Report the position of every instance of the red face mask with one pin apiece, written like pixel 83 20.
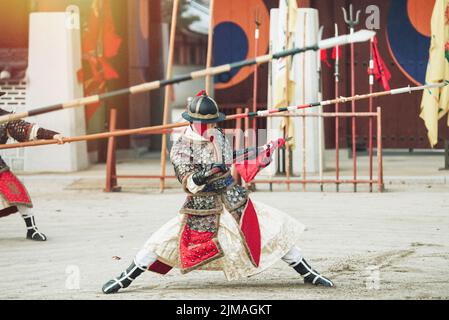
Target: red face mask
pixel 199 128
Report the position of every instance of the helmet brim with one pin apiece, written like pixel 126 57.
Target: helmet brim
pixel 221 118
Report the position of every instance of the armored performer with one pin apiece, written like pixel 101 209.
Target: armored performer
pixel 13 194
pixel 219 227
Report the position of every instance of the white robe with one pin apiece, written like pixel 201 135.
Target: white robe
pixel 279 234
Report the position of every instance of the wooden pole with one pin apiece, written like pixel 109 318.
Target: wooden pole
pixel 97 136
pixel 111 166
pixel 380 179
pixel 210 41
pixel 168 91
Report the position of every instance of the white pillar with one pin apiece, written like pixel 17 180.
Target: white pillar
pixel 306 91
pixel 54 60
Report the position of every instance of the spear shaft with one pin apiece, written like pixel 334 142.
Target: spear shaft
pixel 262 113
pixel 360 36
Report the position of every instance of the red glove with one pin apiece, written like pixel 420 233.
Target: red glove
pixel 281 142
pixel 249 169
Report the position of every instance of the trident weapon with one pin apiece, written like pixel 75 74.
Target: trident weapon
pixel 352 23
pixel 361 36
pixel 261 113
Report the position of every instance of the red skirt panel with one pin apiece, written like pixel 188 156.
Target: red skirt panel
pixel 13 192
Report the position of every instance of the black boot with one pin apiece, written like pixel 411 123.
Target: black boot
pixel 312 276
pixel 124 280
pixel 32 232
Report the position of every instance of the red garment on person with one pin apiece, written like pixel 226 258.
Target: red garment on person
pixel 197 248
pixel 13 192
pixel 251 231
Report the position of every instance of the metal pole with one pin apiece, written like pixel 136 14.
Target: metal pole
pixel 246 133
pixel 256 67
pixel 304 119
pixel 337 110
pixel 287 97
pixel 238 141
pixel 321 119
pixel 370 138
pixel 354 132
pixel 352 22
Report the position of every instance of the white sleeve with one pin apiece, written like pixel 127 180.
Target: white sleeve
pixel 192 187
pixel 33 132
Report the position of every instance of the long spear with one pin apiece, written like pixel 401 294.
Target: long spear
pixel 261 113
pixel 337 110
pixel 361 36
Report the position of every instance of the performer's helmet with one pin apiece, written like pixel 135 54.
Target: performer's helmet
pixel 203 109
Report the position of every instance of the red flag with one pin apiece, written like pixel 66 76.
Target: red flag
pixel 111 40
pixel 249 169
pixel 334 53
pixel 381 72
pixel 100 43
pixel 324 57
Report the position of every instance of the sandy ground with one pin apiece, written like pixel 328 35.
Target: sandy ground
pixel 374 246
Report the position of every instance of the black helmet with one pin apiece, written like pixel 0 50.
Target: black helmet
pixel 203 109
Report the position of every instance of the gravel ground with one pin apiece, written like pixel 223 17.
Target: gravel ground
pixel 393 245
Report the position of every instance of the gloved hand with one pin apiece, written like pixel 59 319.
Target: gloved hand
pixel 200 178
pixel 279 143
pixel 269 150
pixel 219 167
